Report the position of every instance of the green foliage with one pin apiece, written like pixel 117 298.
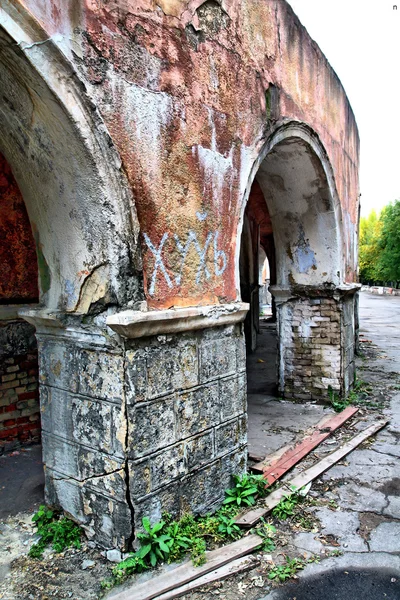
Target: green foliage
pixel 357 396
pixel 337 402
pixel 287 570
pixel 155 545
pixel 286 506
pixel 228 528
pixel 379 246
pixel 170 540
pixel 245 491
pixel 267 532
pixel 53 529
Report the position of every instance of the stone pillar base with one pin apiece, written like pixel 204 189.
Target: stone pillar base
pixel 316 332
pixel 138 426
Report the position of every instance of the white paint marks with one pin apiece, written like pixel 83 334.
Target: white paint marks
pixel 220 258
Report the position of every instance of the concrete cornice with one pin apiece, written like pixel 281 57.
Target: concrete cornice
pixel 135 324
pixel 283 294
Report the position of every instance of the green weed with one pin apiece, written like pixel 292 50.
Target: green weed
pixel 246 490
pixel 287 570
pixel 53 529
pixel 286 506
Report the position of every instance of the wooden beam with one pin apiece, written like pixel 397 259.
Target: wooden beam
pixel 251 517
pixel 187 572
pixel 235 566
pixel 276 465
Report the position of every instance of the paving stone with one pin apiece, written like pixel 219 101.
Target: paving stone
pixel 361 498
pixel 385 538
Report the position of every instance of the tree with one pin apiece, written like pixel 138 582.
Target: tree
pixel 388 265
pixel 369 249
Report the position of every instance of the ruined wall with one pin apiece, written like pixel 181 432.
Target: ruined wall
pixel 19 394
pixel 316 342
pixel 135 130
pixel 137 429
pixel 195 89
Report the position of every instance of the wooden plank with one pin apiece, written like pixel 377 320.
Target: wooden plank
pixel 276 465
pixel 251 517
pixel 187 572
pixel 235 566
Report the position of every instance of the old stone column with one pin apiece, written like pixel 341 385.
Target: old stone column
pixel 316 347
pixel 142 415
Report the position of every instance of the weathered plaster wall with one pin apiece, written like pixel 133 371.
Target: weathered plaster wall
pixel 199 89
pixel 194 89
pixel 69 175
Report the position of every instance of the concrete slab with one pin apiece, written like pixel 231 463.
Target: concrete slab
pixel 21 481
pixel 385 538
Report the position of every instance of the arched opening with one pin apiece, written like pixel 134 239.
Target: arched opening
pixel 291 220
pixel 19 396
pixel 85 232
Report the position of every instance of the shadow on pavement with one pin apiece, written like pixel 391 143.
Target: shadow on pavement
pixel 360 584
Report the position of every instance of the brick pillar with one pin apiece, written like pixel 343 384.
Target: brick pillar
pixel 316 340
pixel 19 394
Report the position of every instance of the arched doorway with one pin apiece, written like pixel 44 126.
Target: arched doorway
pixel 292 200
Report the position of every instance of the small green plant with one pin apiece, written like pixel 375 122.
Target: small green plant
pixel 244 492
pixel 53 529
pixel 286 506
pixel 287 570
pixel 337 402
pixel 228 528
pixel 267 532
pixel 155 545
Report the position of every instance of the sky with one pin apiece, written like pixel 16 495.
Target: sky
pixel 361 40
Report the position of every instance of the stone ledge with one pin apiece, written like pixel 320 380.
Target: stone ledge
pixel 284 294
pixel 135 324
pixel 10 312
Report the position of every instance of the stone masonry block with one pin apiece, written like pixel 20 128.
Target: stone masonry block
pixel 230 435
pixel 171 369
pixel 72 460
pixel 157 471
pixel 136 375
pixel 199 450
pixel 100 374
pixel 197 410
pixel 89 422
pixel 232 397
pixel 57 365
pixel 106 519
pixel 151 426
pixel 217 358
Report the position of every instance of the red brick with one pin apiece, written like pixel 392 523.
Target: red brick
pixel 28 395
pixel 8 433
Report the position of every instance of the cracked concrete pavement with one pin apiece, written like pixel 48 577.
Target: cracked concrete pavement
pixel 364 488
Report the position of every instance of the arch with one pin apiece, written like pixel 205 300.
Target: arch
pixel 311 153
pixel 69 174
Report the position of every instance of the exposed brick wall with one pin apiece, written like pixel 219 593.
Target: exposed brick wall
pixel 312 348
pixel 18 264
pixel 19 399
pixel 19 394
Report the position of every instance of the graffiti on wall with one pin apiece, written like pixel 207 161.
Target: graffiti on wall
pixel 183 247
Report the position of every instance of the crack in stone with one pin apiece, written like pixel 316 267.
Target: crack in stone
pixel 130 539
pixel 87 479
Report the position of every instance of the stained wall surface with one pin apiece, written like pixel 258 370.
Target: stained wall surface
pixel 190 92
